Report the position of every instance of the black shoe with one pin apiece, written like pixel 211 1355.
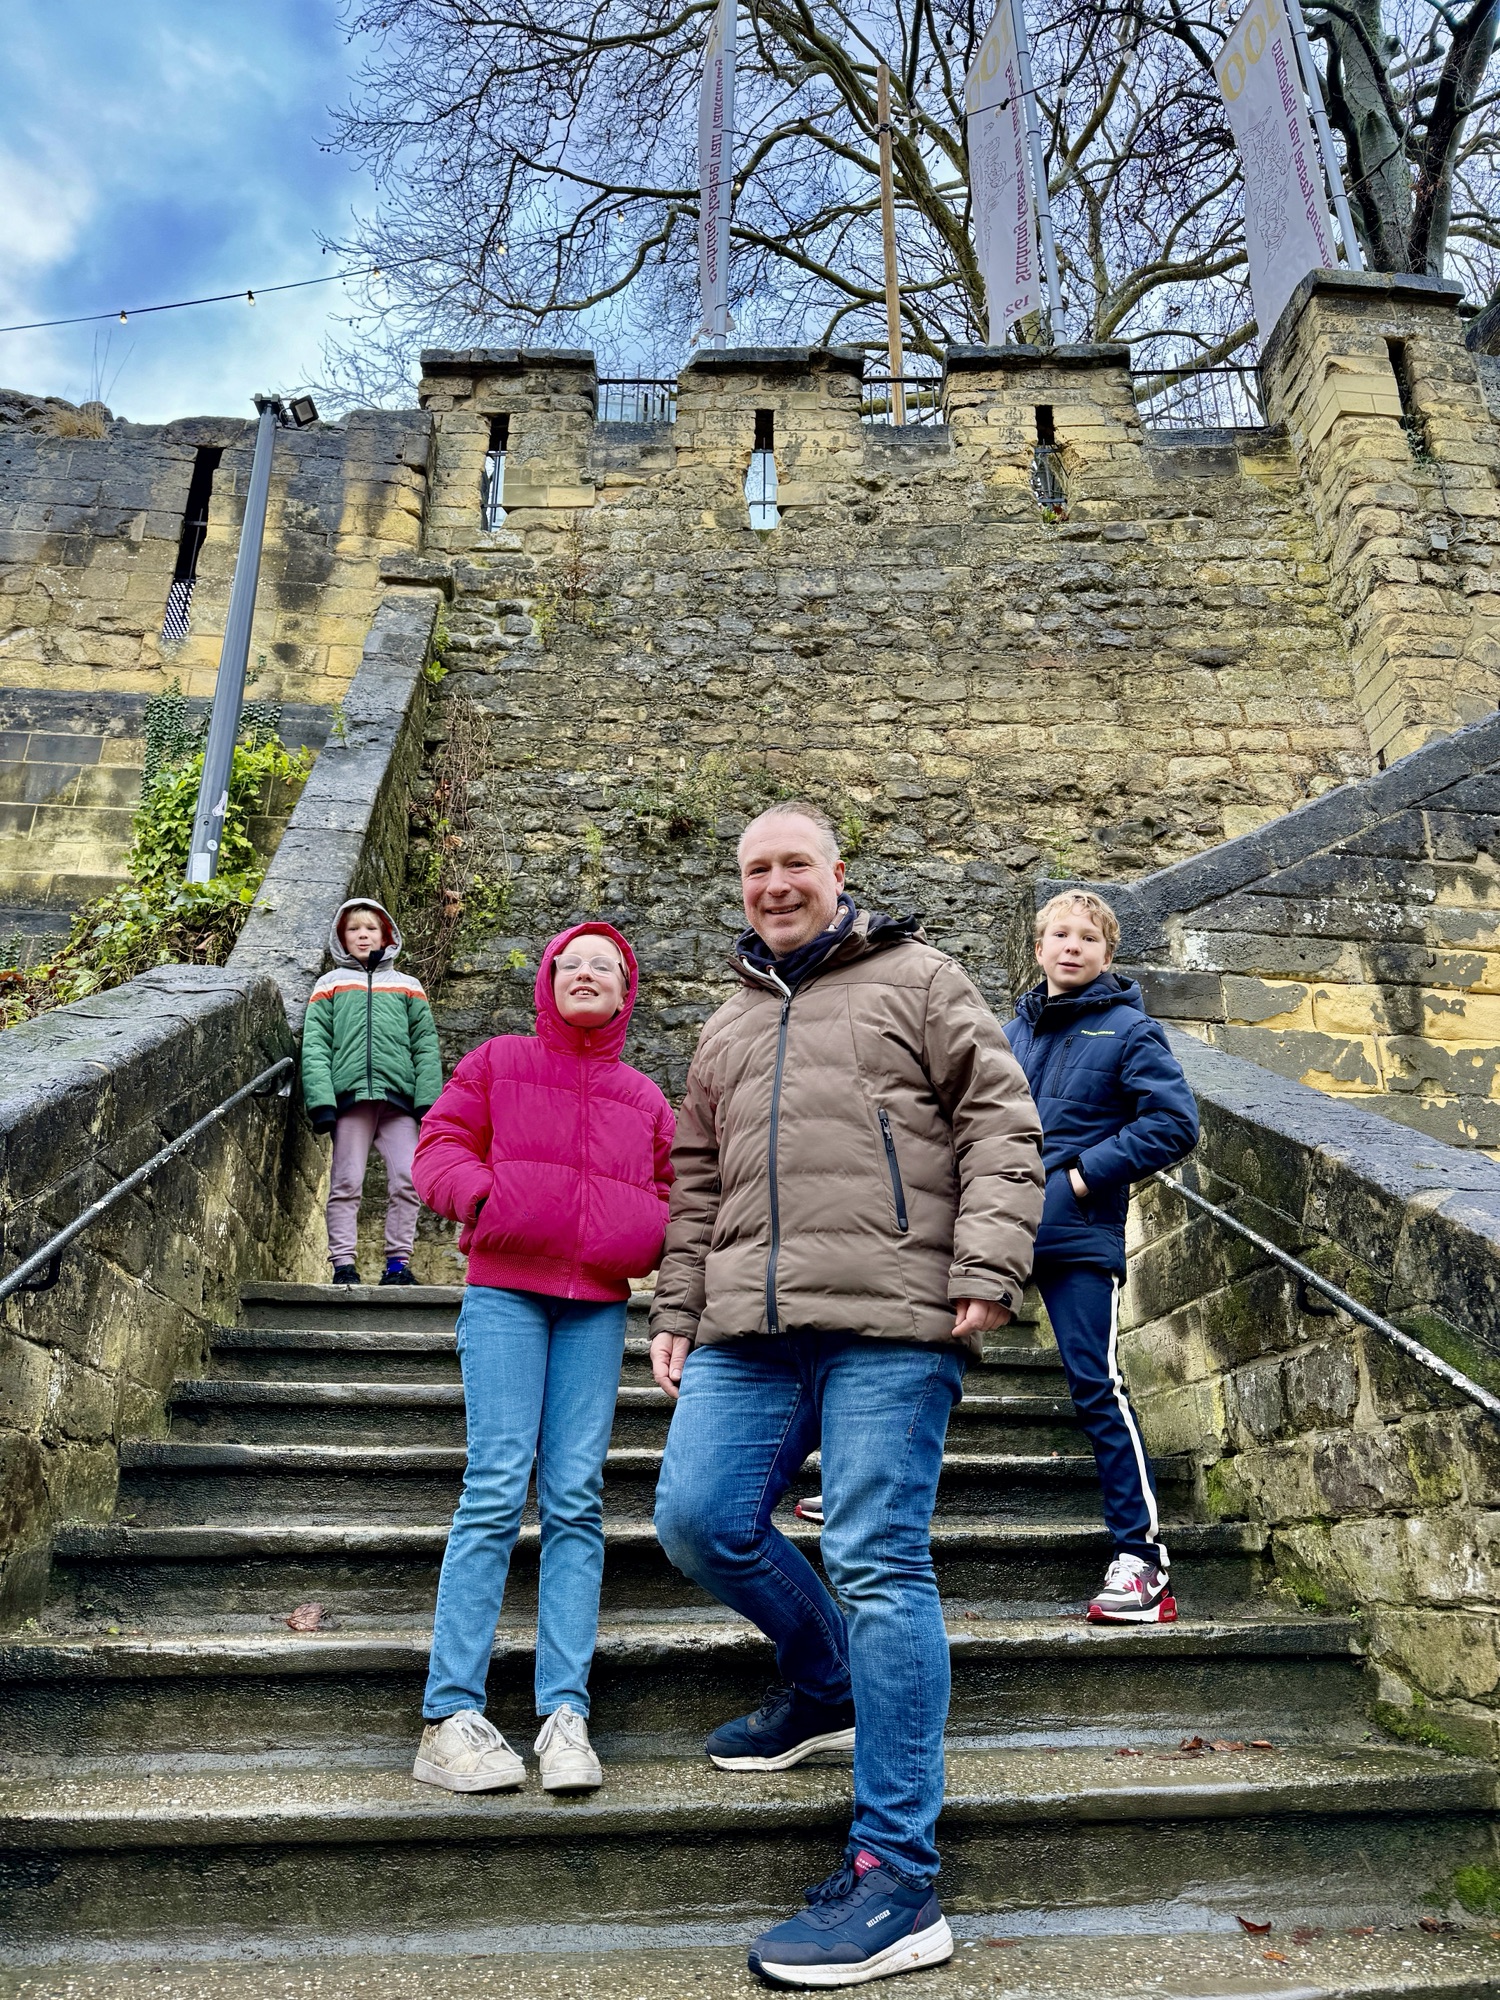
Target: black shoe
pixel 346 1274
pixel 787 1727
pixel 398 1272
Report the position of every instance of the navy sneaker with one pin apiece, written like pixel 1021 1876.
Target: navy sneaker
pixel 787 1727
pixel 346 1274
pixel 397 1272
pixel 864 1922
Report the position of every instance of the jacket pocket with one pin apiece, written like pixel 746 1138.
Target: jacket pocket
pixel 894 1167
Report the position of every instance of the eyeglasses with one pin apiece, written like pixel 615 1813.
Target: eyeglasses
pixel 599 965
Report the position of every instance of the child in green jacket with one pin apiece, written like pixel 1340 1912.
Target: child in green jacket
pixel 370 1068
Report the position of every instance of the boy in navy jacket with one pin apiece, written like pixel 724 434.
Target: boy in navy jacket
pixel 1115 1106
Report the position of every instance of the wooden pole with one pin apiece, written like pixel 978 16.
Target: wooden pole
pixel 888 231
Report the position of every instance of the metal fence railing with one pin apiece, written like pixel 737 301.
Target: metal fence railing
pixel 921 399
pixel 636 399
pixel 1199 399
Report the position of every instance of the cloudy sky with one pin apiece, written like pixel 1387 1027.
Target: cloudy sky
pixel 161 149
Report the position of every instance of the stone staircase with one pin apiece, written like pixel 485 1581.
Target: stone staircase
pixel 183 1776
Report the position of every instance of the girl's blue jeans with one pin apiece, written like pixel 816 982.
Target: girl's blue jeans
pixel 540 1376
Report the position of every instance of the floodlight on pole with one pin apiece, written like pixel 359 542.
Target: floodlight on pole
pixel 234 654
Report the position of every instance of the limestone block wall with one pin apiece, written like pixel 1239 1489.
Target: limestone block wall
pixel 90 530
pixel 70 780
pixel 1353 945
pixel 1379 1487
pixel 1400 451
pixel 979 692
pixel 91 1091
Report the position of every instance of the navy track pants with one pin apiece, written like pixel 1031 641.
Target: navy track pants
pixel 1083 1304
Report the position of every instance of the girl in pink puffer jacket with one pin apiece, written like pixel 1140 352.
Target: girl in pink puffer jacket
pixel 554 1156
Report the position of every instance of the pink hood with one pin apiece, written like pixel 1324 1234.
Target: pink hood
pixel 553 1154
pixel 563 1035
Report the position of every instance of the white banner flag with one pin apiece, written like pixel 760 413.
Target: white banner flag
pixel 1287 228
pixel 716 169
pixel 1000 202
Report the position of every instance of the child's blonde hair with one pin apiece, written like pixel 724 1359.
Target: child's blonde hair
pixel 1081 899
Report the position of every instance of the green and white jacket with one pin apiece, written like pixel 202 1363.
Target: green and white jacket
pixel 369 1036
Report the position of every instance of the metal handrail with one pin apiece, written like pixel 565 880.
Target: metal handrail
pixel 50 1254
pixel 1424 1356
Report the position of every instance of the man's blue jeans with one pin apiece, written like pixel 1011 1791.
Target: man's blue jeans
pixel 750 1412
pixel 540 1376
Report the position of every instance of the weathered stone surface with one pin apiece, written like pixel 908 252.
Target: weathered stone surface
pixel 90 1092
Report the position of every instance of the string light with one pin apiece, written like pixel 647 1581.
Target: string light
pixel 221 298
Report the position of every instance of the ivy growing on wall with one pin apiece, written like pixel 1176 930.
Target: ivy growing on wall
pixel 156 917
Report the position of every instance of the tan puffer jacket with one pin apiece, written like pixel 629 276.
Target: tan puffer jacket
pixel 851 1157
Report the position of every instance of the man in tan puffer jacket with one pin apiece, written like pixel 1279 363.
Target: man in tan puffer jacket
pixel 858 1181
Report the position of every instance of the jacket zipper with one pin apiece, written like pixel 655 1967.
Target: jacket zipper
pixel 773 1324
pixel 890 1159
pixel 370 1031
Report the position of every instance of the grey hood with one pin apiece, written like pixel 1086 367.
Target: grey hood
pixel 336 950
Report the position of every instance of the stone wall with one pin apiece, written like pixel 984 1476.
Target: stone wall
pixel 980 691
pixel 1379 1485
pixel 90 1092
pixel 1400 453
pixel 89 537
pixel 1353 945
pixel 70 780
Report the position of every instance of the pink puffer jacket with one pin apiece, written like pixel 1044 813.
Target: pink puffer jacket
pixel 566 1147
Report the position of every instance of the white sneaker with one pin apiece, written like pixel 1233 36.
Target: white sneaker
pixel 465 1753
pixel 564 1754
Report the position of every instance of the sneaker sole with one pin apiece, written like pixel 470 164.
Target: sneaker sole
pixel 1164 1613
pixel 838 1739
pixel 426 1773
pixel 590 1782
pixel 934 1946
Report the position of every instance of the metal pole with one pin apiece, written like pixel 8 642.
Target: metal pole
pixel 234 655
pixel 1312 83
pixel 1038 166
pixel 888 231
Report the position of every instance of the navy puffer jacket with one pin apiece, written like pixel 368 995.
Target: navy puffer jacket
pixel 1113 1102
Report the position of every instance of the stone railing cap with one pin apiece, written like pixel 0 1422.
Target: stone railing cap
pixel 507 360
pixel 774 360
pixel 1082 354
pixel 1400 287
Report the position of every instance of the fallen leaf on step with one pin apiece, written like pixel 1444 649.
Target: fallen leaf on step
pixel 1126 1751
pixel 307 1618
pixel 1362 1930
pixel 1261 1743
pixel 1435 1925
pixel 1192 1744
pixel 1000 1943
pixel 1228 1746
pixel 1249 1924
pixel 1277 1957
pixel 1305 1933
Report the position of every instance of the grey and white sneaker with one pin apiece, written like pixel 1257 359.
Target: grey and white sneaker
pixel 564 1754
pixel 467 1753
pixel 810 1508
pixel 1133 1593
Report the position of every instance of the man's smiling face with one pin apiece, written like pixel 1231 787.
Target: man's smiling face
pixel 790 884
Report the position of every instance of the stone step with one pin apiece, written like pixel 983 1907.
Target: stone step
pixel 225 1850
pixel 387 1308
pixel 118 1573
pixel 246 1687
pixel 232 1409
pixel 163 1480
pixel 325 1354
pixel 1378 1953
